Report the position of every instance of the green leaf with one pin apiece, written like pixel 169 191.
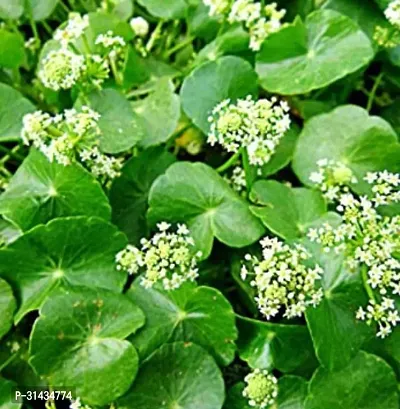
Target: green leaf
pixel 41 9
pixel 193 314
pixel 288 212
pixel 40 191
pixel 160 113
pixel 179 375
pixel 284 152
pixel 292 394
pixel 7 307
pixel 79 340
pixel 7 389
pixel 349 135
pixel 11 9
pixel 336 333
pixel 366 383
pixel 213 82
pixel 129 193
pixel 266 345
pixel 13 106
pixel 120 127
pixel 390 114
pixel 8 232
pixel 67 251
pixel 366 14
pixel 12 50
pixel 194 193
pixel 298 58
pixel 234 41
pixel 165 9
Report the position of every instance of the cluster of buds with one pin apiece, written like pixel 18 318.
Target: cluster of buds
pixel 261 389
pixel 282 279
pixel 237 180
pixel 261 21
pixel 389 36
pixel 168 257
pixel 258 126
pixel 371 243
pixel 65 136
pixel 332 178
pixel 67 66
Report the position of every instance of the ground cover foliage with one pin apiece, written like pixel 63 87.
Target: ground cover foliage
pixel 199 203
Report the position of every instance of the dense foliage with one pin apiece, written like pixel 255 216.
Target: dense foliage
pixel 199 203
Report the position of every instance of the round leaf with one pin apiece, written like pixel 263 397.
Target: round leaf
pixel 160 113
pixel 40 191
pixel 179 375
pixel 197 314
pixel 11 9
pixel 41 9
pixel 12 50
pixel 349 135
pixel 120 127
pixel 265 345
pixel 78 341
pixel 7 389
pixel 292 394
pixel 298 58
pixel 213 82
pixel 7 307
pixel 129 192
pixel 13 106
pixel 194 193
pixel 287 212
pixel 165 9
pixel 336 333
pixel 67 251
pixel 366 383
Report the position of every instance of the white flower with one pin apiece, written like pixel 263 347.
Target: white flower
pixel 261 388
pixel 109 40
pixel 75 27
pixel 140 26
pixel 217 7
pixel 61 69
pixel 257 126
pixel 75 404
pixel 392 13
pixel 282 280
pixel 101 165
pixel 244 11
pixel 167 258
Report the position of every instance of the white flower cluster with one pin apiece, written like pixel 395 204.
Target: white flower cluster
pixel 74 29
pixel 260 21
pixel 261 388
pixel 282 279
pixel 217 7
pixel 371 242
pixel 77 404
pixel 392 13
pixel 256 125
pixel 100 165
pixel 62 137
pixel 65 67
pixel 140 26
pixel 61 69
pixel 237 179
pixel 332 178
pixel 167 258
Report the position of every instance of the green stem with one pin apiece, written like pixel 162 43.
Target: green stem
pixel 230 162
pixel 115 72
pixel 367 287
pixel 249 173
pixel 47 28
pixel 10 153
pixel 372 94
pixel 179 46
pixel 5 171
pixel 8 361
pixel 154 36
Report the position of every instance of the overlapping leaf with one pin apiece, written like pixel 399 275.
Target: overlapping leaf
pixel 193 314
pixel 79 340
pixel 194 193
pixel 66 251
pixel 8 306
